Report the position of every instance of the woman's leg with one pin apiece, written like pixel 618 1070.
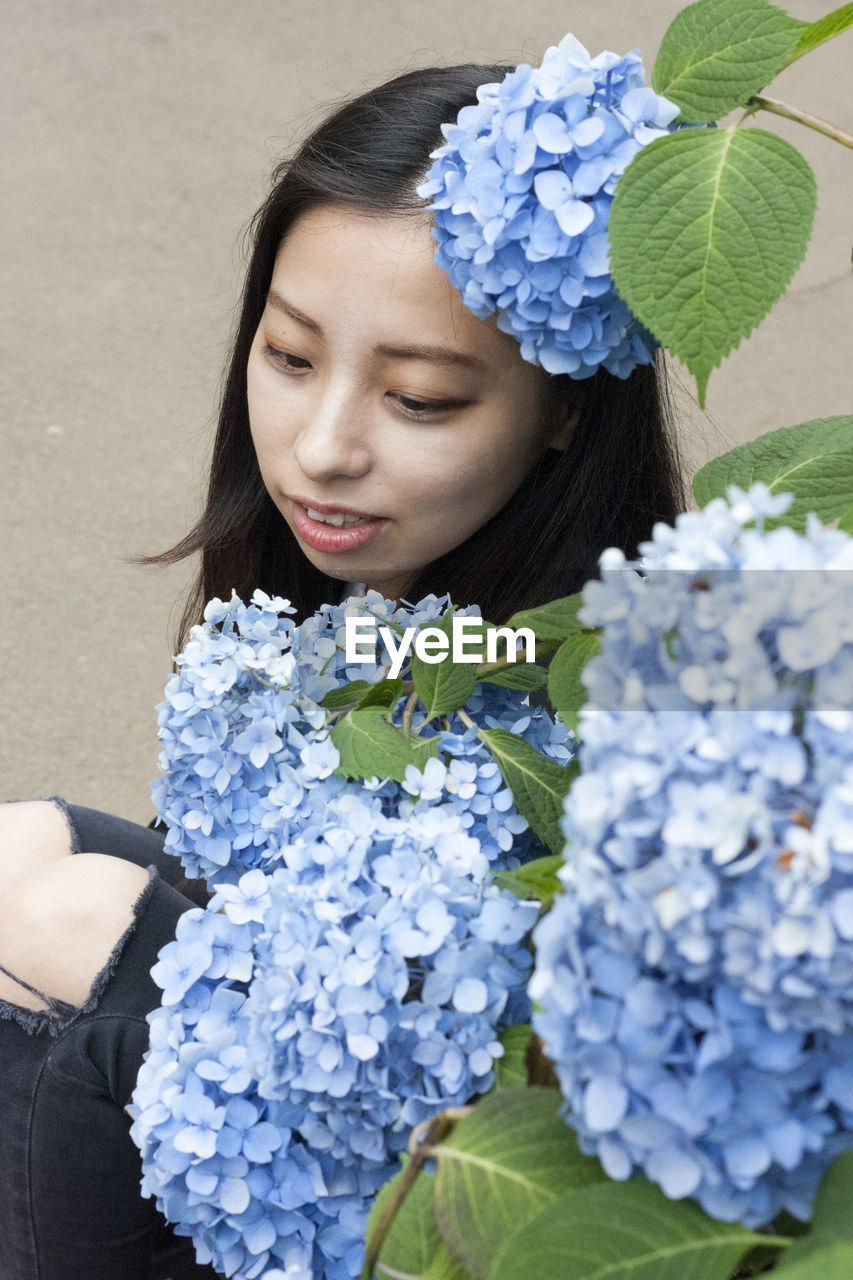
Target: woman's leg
pixel 96 832
pixel 59 925
pixel 33 832
pixel 87 930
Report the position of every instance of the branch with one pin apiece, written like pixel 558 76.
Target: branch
pixel 408 712
pixel 386 1218
pixel 834 131
pixel 421 1147
pixel 500 664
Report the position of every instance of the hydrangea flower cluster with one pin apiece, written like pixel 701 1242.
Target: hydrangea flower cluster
pixel 351 973
pixel 696 978
pixel 247 761
pixel 521 195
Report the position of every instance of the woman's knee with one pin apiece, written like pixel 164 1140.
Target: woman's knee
pixel 59 926
pixel 33 834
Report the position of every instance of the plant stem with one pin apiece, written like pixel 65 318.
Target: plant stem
pixel 486 668
pixel 760 103
pixel 500 664
pixel 408 712
pixel 386 1218
pixel 420 1149
pixel 465 718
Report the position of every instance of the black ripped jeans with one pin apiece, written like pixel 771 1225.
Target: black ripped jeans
pixel 70 1207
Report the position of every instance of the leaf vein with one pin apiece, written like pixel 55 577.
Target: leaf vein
pixel 493 1169
pixel 660 1252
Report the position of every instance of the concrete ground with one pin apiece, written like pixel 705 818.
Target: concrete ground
pixel 138 138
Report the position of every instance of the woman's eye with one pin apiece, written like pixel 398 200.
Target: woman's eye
pixel 287 359
pixel 425 408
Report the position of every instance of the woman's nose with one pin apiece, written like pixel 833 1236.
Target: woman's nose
pixel 332 438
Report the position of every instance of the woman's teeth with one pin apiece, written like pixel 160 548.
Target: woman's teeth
pixel 338 519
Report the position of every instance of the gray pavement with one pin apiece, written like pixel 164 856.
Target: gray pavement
pixel 138 137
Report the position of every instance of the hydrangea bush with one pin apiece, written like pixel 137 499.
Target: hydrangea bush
pixel 696 977
pixel 521 195
pixel 351 973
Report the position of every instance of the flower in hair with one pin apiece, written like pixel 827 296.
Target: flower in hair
pixel 521 195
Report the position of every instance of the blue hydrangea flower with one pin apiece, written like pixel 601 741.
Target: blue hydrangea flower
pixel 351 973
pixel 246 757
pixel 695 981
pixel 521 194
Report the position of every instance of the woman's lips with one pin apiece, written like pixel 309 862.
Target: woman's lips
pixel 327 537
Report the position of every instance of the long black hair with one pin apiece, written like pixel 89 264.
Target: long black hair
pixel 617 477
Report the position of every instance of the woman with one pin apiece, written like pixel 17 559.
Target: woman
pixel 372 430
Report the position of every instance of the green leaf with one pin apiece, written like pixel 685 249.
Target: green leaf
pixel 520 675
pixel 370 746
pixel 382 694
pixel 706 230
pixel 833 1262
pixel 447 685
pixel 523 675
pixel 537 879
pixel 831 1217
pixel 845 523
pixel 537 783
pixel 511 1069
pixel 826 28
pixel 413 1245
pixel 413 1238
pixel 445 1267
pixel 346 694
pixel 813 460
pixel 565 688
pixel 832 1221
pixel 716 54
pixel 552 621
pixel 497 1168
pixel 622 1231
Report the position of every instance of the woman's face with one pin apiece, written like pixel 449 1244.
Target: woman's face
pixel 389 422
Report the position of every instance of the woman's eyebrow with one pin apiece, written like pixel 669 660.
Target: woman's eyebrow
pixel 432 352
pixel 435 354
pixel 278 302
